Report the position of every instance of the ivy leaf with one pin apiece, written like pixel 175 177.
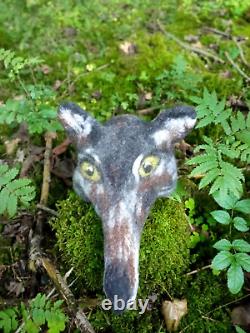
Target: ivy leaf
pixel 222 260
pixel 223 245
pixel 243 206
pixel 221 216
pixel 243 260
pixel 241 245
pixel 235 278
pixel 240 224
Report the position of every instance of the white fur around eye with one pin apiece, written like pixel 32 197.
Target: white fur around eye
pixel 136 166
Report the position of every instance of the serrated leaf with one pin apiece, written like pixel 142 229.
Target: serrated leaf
pixel 221 216
pixel 30 327
pixel 12 205
pixel 223 245
pixel 240 224
pixel 8 176
pixel 243 260
pixel 208 178
pixel 38 316
pixel 235 278
pixel 4 196
pixel 241 245
pixel 243 206
pixel 222 260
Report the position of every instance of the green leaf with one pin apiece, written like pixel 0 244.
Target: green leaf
pixel 12 205
pixel 241 245
pixel 30 327
pixel 223 245
pixel 243 260
pixel 240 224
pixel 227 201
pixel 243 206
pixel 235 278
pixel 222 260
pixel 221 216
pixel 239 329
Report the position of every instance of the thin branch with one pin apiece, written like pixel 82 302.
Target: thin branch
pixel 146 111
pixel 47 209
pixel 236 67
pixel 186 46
pixel 198 270
pixel 218 32
pixel 241 52
pixel 218 308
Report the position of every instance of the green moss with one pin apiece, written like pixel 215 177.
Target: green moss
pixel 206 296
pixel 164 256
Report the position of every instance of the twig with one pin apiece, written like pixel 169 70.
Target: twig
pixel 236 66
pixel 186 46
pixel 47 209
pixel 46 170
pixel 241 52
pixel 209 312
pixel 198 270
pixel 218 32
pixel 37 259
pixel 146 111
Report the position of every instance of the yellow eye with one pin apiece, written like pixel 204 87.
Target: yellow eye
pixel 89 171
pixel 148 165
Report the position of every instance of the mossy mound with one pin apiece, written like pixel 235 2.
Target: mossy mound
pixel 164 257
pixel 164 253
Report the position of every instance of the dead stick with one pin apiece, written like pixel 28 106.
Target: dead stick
pixel 241 52
pixel 186 46
pixel 148 110
pixel 37 259
pixel 237 67
pixel 198 270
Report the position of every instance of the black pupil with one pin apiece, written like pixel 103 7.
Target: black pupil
pixel 90 171
pixel 147 167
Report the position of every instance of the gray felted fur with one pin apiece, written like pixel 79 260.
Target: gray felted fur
pixel 123 166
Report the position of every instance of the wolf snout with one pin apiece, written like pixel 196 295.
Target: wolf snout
pixel 118 286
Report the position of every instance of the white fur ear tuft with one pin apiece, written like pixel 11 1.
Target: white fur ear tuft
pixel 173 125
pixel 76 121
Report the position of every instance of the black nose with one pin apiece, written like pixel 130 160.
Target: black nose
pixel 117 287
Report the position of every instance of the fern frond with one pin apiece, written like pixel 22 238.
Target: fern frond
pixel 13 191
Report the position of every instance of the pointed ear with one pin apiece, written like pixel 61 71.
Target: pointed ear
pixel 77 122
pixel 172 125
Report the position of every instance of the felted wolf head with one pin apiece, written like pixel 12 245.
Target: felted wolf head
pixel 123 166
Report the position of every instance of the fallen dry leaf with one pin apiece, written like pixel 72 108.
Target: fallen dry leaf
pixel 172 312
pixel 128 47
pixel 11 146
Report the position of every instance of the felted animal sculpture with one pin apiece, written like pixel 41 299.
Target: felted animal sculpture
pixel 123 166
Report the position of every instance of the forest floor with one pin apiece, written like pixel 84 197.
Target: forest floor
pixel 111 58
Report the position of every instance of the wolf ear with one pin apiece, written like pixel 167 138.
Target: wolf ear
pixel 172 125
pixel 77 122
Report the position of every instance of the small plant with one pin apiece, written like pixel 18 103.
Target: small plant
pixel 35 106
pixel 178 82
pixel 40 313
pixel 221 166
pixel 14 191
pixel 233 255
